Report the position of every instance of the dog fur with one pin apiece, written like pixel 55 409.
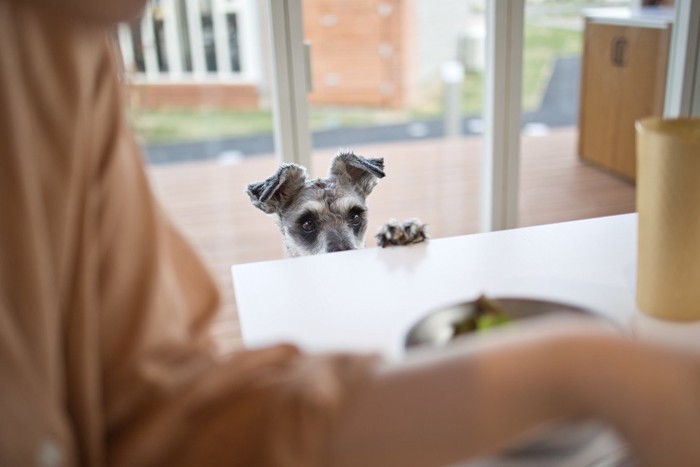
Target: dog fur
pixel 320 215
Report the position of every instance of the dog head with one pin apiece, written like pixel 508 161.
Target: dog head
pixel 320 215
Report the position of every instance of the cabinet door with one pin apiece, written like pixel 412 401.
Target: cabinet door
pixel 600 90
pixel 643 77
pixel 623 80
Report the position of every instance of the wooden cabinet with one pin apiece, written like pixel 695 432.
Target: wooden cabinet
pixel 623 79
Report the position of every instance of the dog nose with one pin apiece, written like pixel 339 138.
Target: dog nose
pixel 333 247
pixel 336 241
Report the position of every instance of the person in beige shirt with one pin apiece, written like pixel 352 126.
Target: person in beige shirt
pixel 105 352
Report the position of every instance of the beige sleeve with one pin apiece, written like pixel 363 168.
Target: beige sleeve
pixel 98 11
pixel 105 353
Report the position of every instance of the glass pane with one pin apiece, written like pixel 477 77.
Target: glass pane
pixel 557 182
pixel 388 82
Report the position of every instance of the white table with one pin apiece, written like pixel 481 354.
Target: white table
pixel 366 300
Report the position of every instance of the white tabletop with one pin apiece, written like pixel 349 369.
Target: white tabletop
pixel 367 299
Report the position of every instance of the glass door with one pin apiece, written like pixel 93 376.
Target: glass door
pixel 402 80
pixel 565 126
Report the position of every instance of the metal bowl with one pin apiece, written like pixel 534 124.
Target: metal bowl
pixel 555 445
pixel 438 327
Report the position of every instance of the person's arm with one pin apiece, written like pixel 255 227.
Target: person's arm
pixel 649 393
pixel 479 396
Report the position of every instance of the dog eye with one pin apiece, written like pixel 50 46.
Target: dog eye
pixel 308 226
pixel 355 219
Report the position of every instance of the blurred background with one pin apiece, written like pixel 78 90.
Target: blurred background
pixel 399 79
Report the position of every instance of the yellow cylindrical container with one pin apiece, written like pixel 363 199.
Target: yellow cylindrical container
pixel 668 202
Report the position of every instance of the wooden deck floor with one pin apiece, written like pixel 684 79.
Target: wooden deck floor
pixel 434 180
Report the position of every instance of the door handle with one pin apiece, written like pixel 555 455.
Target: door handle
pixel 617 51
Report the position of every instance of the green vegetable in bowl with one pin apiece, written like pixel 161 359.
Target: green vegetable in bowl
pixel 487 314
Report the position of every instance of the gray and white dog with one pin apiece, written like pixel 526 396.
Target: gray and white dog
pixel 320 215
pixel 326 215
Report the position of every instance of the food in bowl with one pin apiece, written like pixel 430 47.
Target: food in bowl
pixel 440 327
pixel 487 314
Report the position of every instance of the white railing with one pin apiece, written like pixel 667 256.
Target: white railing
pixel 194 40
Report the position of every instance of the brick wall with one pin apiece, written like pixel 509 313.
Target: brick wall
pixel 359 51
pixel 194 95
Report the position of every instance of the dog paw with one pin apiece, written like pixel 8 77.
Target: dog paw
pixel 394 233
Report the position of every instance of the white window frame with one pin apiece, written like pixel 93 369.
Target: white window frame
pixel 500 174
pixel 289 82
pixel 502 99
pixel 683 79
pixel 502 106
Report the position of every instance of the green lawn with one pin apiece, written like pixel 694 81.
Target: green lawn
pixel 191 124
pixel 542 46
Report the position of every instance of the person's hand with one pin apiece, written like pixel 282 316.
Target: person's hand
pixel 649 393
pixel 487 391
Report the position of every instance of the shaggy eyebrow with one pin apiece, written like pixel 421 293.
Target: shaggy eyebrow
pixel 310 207
pixel 308 213
pixel 348 204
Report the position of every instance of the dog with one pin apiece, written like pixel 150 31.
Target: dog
pixel 330 214
pixel 320 215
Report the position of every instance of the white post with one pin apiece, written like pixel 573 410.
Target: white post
pixel 452 79
pixel 249 40
pixel 126 46
pixel 194 27
pixel 223 52
pixel 502 107
pixel 172 39
pixel 289 83
pixel 148 38
pixel 683 80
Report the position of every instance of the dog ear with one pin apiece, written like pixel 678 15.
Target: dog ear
pixel 273 193
pixel 362 173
